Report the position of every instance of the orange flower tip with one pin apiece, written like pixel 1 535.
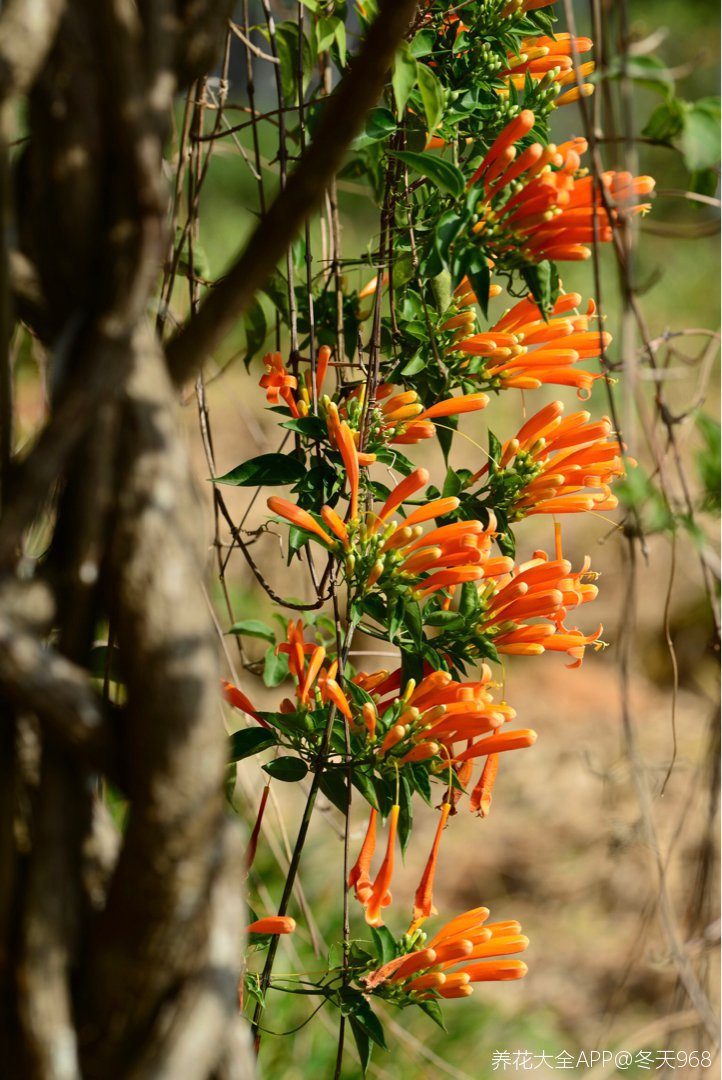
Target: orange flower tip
pixel 272 924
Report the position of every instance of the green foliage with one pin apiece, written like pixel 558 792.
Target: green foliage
pixel 708 462
pixel 267 470
pixel 249 741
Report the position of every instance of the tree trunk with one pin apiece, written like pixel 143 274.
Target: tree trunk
pixel 119 956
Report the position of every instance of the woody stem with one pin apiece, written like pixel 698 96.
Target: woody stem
pixel 265 978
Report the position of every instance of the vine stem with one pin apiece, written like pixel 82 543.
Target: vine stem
pixel 299 846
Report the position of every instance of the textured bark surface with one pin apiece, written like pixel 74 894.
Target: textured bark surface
pixel 119 954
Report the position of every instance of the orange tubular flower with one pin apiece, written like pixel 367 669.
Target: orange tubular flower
pixel 406 421
pixel 311 675
pixel 272 924
pixel 380 896
pixel 550 60
pixel 237 698
pixel 370 288
pixel 423 902
pixel 554 209
pixel 299 517
pixel 570 462
pixel 349 453
pixel 436 716
pixel 480 800
pixel 524 350
pixel 278 383
pixel 359 879
pixel 540 588
pixel 400 555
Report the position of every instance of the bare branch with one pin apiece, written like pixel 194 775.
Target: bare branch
pixel 340 122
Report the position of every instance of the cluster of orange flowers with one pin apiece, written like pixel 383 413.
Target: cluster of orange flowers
pixel 524 350
pixel 462 952
pixel 542 205
pixel 551 61
pixel 534 204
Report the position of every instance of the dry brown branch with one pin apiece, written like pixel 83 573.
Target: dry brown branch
pixel 340 122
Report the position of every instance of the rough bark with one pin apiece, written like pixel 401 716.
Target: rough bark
pixel 119 954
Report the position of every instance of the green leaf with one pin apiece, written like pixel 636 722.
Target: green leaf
pixel 287 45
pixel 389 456
pixel 708 461
pixel 494 453
pixel 366 1017
pixel 395 618
pixel 254 323
pixel 413 623
pixel 422 782
pixel 340 36
pixel 276 289
pixel 704 182
pixel 201 266
pixel 266 470
pixel 648 71
pixel 230 784
pixel 254 628
pixel 666 121
pixel 311 426
pixel 445 176
pixel 452 483
pixel 275 668
pixel 441 284
pixel 363 783
pixel 403 78
pixel 412 666
pixel 469 603
pixel 432 96
pixel 423 43
pixel 406 813
pixel 700 138
pixel 363 1043
pixel 384 942
pixel 543 282
pixel 380 124
pixel 477 270
pixel 249 741
pixel 433 1009
pixel 416 364
pixel 445 434
pixel 333 785
pixel 288 769
pixel 449 620
pixel 326 32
